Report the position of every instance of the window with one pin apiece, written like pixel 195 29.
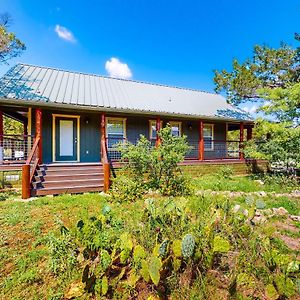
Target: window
pixel 175 128
pixel 152 129
pixel 208 136
pixel 115 131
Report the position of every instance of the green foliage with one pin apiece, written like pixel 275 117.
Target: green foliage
pixel 4 196
pixel 158 252
pixel 62 253
pixel 270 78
pixel 269 68
pixel 10 46
pixel 270 183
pixel 12 126
pixel 221 244
pixel 125 188
pixel 282 103
pixel 163 248
pixel 111 246
pixel 154 168
pixel 154 269
pixel 225 172
pixel 276 142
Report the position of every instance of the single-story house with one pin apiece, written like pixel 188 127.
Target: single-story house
pixel 73 120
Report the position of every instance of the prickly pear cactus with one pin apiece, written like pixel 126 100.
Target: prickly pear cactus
pixel 163 248
pixel 106 209
pixel 188 245
pixel 155 265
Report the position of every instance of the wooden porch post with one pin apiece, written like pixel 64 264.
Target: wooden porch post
pixel 25 138
pixel 1 136
pixel 241 154
pixel 26 181
pixel 1 124
pixel 158 127
pixel 249 133
pixel 201 141
pixel 103 135
pixel 38 132
pixel 106 166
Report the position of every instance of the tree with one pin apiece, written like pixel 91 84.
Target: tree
pixel 12 126
pixel 272 79
pixel 10 45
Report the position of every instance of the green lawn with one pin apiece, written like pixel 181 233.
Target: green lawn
pixel 217 182
pixel 256 262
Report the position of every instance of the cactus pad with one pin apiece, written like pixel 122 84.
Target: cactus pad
pixel 188 245
pixel 163 248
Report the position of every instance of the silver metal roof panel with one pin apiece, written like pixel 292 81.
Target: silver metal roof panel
pixel 53 86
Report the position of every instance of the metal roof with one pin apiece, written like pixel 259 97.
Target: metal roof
pixel 54 87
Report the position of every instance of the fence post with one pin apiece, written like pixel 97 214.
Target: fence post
pixel 25 181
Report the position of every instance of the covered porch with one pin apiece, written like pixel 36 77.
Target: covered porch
pixel 207 140
pixel 95 136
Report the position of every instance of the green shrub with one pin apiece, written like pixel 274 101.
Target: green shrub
pixel 154 168
pixel 225 172
pixel 125 188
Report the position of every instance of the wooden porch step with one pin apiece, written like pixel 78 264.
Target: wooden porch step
pixel 68 183
pixel 55 179
pixel 66 177
pixel 68 190
pixel 74 171
pixel 70 165
pixel 73 178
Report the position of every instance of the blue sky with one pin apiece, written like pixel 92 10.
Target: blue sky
pixel 170 42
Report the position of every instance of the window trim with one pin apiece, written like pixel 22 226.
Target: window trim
pixel 150 129
pixel 177 123
pixel 212 136
pixel 124 120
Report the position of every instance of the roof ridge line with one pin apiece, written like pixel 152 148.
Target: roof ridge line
pixel 121 79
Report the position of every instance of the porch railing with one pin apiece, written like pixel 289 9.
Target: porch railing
pixel 15 148
pixel 213 149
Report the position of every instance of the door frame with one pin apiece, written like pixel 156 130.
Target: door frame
pixel 54 116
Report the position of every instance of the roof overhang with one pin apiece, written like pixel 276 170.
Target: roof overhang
pixel 87 108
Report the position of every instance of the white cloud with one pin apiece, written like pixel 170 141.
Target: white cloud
pixel 250 109
pixel 64 33
pixel 117 69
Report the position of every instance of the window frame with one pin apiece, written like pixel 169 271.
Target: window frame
pixel 151 138
pixel 107 119
pixel 179 123
pixel 212 136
